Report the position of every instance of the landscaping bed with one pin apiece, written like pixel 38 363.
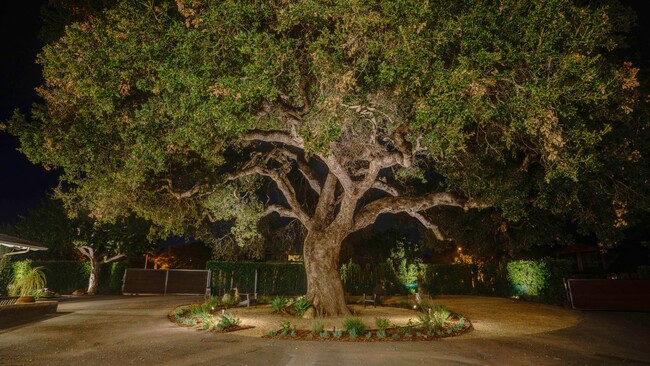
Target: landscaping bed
pixel 428 322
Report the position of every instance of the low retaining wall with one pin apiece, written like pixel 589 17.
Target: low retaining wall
pixel 23 313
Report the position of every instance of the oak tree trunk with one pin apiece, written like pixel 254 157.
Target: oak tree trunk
pixel 93 281
pixel 324 288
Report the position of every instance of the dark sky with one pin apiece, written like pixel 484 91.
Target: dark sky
pixel 22 184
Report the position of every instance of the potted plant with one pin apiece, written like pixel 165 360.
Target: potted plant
pixel 27 282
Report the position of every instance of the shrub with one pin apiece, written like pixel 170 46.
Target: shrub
pixel 338 334
pixel 439 315
pixel 324 334
pixel 382 323
pixel 528 278
pixel 354 324
pixel 278 304
pixel 541 280
pixel 300 306
pixel 227 320
pixel 272 278
pixel 285 327
pixel 643 271
pixel 317 326
pixel 5 274
pixel 28 281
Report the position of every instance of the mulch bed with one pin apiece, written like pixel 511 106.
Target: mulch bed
pixel 403 335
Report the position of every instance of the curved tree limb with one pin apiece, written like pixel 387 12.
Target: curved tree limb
pixel 368 214
pixel 281 210
pixel 113 258
pixel 275 136
pixel 283 185
pixel 429 225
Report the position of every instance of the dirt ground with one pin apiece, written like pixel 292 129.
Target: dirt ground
pixel 521 318
pixel 118 330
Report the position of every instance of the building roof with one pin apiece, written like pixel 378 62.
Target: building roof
pixel 18 243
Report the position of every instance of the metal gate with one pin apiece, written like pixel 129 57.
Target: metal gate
pixel 623 295
pixel 166 282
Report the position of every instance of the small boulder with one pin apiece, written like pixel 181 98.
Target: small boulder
pixel 310 313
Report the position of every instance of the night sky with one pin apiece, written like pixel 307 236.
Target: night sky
pixel 22 184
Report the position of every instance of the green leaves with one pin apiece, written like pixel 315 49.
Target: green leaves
pixel 519 105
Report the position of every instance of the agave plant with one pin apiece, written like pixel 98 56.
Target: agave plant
pixel 28 281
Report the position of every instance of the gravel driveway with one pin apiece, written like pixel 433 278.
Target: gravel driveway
pixel 120 330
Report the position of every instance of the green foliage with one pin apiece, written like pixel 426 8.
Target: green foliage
pixel 368 335
pixel 285 327
pixel 528 278
pixel 300 306
pixel 450 279
pixel 27 280
pixel 406 262
pixel 438 315
pixel 358 280
pixel 227 320
pixel 67 276
pixel 382 323
pixel 643 271
pixel 337 334
pixel 354 325
pixel 144 109
pixel 273 332
pixel 6 273
pixel 317 326
pixel 279 303
pixel 324 334
pixel 541 280
pixel 272 278
pixel 460 324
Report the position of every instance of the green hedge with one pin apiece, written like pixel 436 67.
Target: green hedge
pixel 359 280
pixel 272 278
pixel 540 280
pixel 644 272
pixel 66 276
pixel 5 274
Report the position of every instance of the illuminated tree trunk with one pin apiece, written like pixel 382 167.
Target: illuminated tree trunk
pixel 93 281
pixel 324 288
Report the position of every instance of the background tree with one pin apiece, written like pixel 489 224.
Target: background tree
pixel 49 225
pixel 81 236
pixel 173 110
pixel 101 243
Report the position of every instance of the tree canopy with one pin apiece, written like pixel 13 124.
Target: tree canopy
pixel 351 109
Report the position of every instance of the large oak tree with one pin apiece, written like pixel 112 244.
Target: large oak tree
pixel 352 109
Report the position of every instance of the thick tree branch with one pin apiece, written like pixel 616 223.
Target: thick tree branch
pixel 429 225
pixel 306 170
pixel 368 214
pixel 87 251
pixel 340 173
pixel 283 211
pixel 383 186
pixel 326 199
pixel 181 195
pixel 275 136
pixel 283 185
pixel 113 258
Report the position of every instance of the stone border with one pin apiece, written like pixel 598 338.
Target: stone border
pixel 23 313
